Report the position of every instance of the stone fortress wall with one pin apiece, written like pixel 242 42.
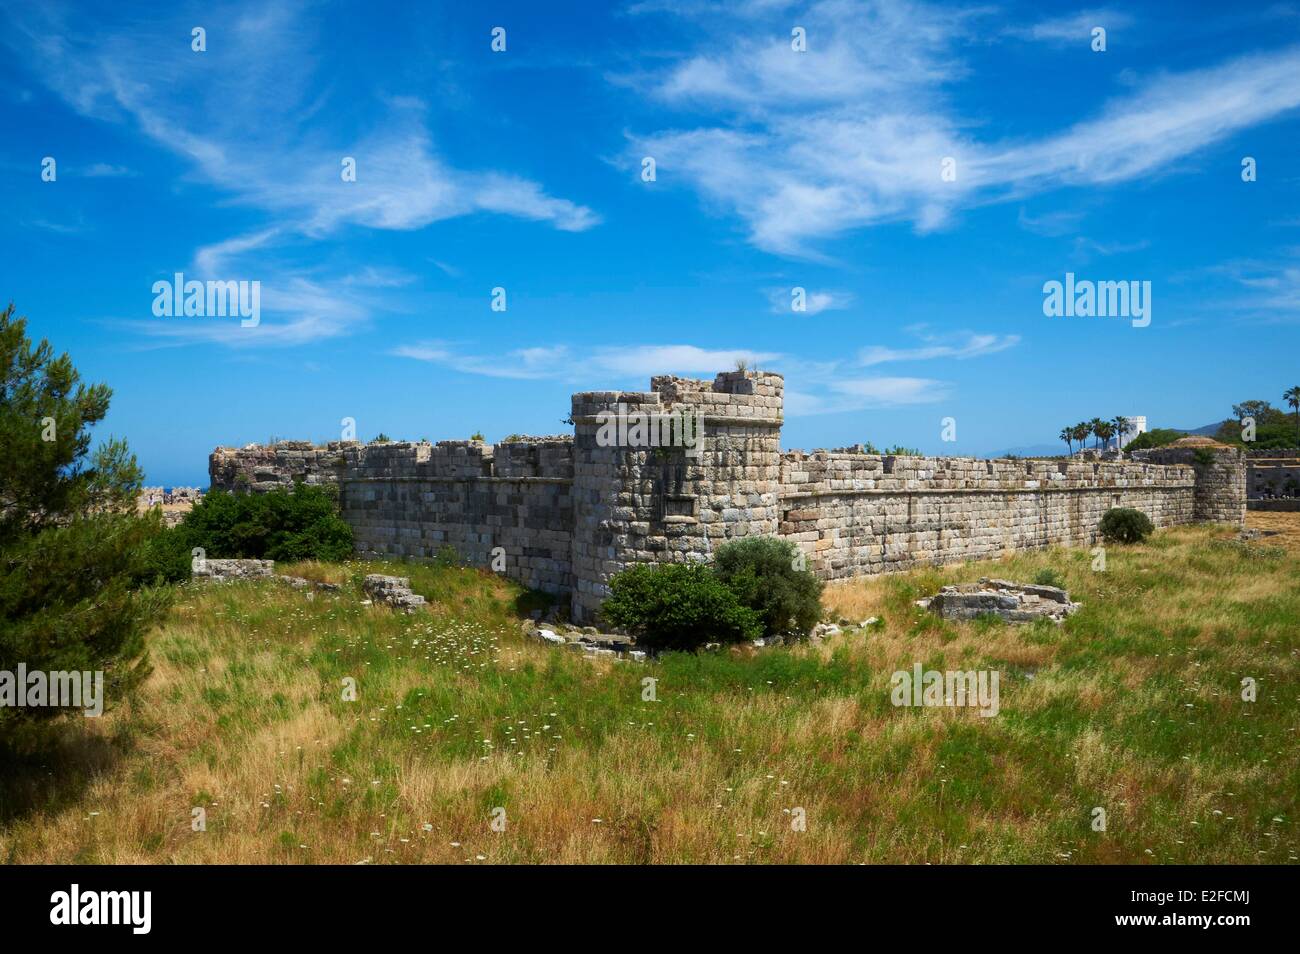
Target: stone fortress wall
pixel 862 514
pixel 413 500
pixel 1273 479
pixel 568 512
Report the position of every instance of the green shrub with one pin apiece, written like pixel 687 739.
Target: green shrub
pixel 678 606
pixel 762 572
pixel 165 557
pixel 1125 525
pixel 448 556
pixel 1049 577
pixel 302 524
pixel 1149 440
pixel 898 450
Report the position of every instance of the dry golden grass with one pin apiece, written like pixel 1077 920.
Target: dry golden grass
pixel 1286 526
pixel 1133 705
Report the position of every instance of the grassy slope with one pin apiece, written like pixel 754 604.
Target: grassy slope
pixel 1133 705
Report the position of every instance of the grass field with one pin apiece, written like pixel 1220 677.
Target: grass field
pixel 1133 705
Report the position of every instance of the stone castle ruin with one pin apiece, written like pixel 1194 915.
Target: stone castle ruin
pixel 1273 479
pixel 563 514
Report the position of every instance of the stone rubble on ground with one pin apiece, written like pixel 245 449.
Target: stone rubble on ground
pixel 588 640
pixel 222 571
pixel 594 644
pixel 825 631
pixel 394 591
pixel 225 570
pixel 302 583
pixel 1013 602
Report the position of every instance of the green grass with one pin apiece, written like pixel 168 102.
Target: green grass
pixel 1133 705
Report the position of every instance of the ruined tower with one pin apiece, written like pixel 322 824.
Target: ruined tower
pixel 639 503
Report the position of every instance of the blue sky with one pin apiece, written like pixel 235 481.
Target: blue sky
pixel 775 169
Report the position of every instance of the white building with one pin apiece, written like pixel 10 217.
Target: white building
pixel 1137 424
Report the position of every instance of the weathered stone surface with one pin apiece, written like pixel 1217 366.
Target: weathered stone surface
pixel 564 514
pixel 1219 494
pixel 1014 602
pixel 174 502
pixel 221 571
pixel 256 467
pixel 302 583
pixel 394 591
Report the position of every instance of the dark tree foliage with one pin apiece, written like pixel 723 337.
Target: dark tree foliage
pixel 1156 437
pixel 75 591
pixel 678 606
pixel 283 525
pixel 1125 525
pixel 766 575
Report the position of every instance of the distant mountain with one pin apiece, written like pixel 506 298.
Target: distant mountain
pixel 1057 449
pixel 1208 430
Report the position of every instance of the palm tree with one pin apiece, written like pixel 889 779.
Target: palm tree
pixel 1103 430
pixel 1095 427
pixel 1081 432
pixel 1120 423
pixel 1067 435
pixel 1292 397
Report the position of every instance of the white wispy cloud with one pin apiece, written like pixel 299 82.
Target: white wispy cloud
pixel 853 132
pixel 104 170
pixel 644 360
pixel 812 387
pixel 1086 248
pixel 622 363
pixel 972 346
pixel 525 363
pixel 815 300
pixel 1269 288
pixel 251 117
pixel 1071 28
pixel 295 310
pixel 248 114
pixel 1050 224
pixel 215 260
pixel 61 228
pixel 887 391
pixel 842 395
